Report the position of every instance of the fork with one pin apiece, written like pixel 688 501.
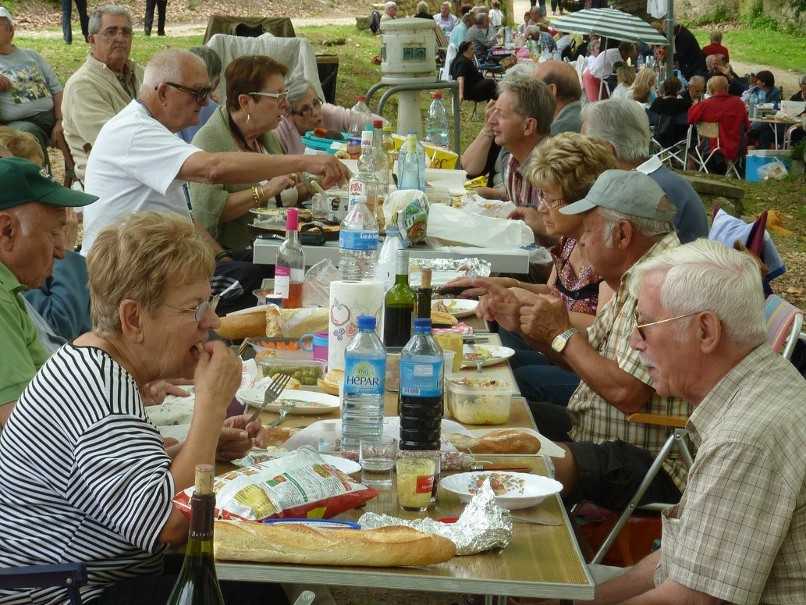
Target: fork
pixel 274 390
pixel 284 409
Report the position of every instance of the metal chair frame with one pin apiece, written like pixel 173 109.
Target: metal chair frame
pixel 698 132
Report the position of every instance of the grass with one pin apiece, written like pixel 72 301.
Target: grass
pixel 764 47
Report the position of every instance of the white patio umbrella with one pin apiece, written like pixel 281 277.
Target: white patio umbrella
pixel 609 23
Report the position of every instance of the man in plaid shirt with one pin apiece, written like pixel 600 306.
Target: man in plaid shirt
pixel 738 534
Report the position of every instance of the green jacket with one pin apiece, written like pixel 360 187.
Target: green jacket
pixel 208 200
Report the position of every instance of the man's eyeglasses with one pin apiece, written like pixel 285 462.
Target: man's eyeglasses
pixel 277 96
pixel 200 310
pixel 112 32
pixel 639 327
pixel 200 95
pixel 548 203
pixel 307 110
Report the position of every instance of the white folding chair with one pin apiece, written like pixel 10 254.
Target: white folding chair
pixel 673 154
pixel 705 139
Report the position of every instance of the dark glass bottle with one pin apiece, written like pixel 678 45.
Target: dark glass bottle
pixel 197 583
pixel 399 305
pixel 424 293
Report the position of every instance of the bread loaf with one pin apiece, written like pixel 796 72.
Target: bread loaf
pixel 385 547
pixel 501 441
pixel 249 323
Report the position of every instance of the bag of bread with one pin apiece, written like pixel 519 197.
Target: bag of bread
pixel 299 484
pixel 409 209
pixel 294 323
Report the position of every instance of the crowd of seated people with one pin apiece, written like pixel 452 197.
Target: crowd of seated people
pixel 630 274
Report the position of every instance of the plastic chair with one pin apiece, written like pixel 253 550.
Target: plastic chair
pixel 706 135
pixel 784 325
pixel 71 576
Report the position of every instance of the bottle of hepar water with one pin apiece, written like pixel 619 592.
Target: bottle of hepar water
pixel 364 388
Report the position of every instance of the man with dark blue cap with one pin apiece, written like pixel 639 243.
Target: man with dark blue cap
pixel 32 220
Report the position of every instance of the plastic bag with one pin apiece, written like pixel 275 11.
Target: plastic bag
pixel 299 484
pixel 451 225
pixel 409 209
pixel 773 170
pixel 494 208
pixel 316 288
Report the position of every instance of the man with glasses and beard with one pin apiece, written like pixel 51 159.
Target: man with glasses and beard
pixel 138 163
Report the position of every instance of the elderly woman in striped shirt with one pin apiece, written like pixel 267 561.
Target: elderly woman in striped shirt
pixel 83 475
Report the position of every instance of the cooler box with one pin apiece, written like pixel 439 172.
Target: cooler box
pixel 757 158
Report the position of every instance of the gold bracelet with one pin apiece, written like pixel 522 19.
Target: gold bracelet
pixel 256 197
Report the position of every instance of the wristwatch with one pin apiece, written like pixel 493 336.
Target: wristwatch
pixel 559 342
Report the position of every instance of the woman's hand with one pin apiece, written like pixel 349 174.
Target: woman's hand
pixel 477 286
pixel 217 377
pixel 155 392
pixel 236 436
pixel 331 169
pixel 277 184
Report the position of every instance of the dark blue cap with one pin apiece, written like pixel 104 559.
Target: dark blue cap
pixel 366 322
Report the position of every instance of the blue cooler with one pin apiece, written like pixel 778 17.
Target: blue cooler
pixel 321 143
pixel 756 158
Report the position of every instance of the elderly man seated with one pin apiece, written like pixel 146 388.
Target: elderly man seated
pixel 138 163
pixel 445 19
pixel 731 115
pixel 737 535
pixel 624 124
pixel 97 486
pixel 31 94
pixel 626 221
pixel 695 90
pixel 483 36
pixel 106 82
pixel 33 213
pixel 717 66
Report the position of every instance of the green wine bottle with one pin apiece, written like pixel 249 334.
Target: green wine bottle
pixel 197 583
pixel 399 305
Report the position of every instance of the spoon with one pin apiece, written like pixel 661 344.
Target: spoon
pixel 306 597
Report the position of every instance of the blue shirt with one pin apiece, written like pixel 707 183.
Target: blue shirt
pixel 458 34
pixel 187 134
pixel 690 222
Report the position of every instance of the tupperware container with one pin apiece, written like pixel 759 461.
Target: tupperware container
pixel 473 400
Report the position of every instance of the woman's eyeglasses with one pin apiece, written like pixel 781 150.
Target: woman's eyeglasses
pixel 200 95
pixel 307 110
pixel 200 310
pixel 548 203
pixel 277 96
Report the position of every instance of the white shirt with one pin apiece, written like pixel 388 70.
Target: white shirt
pixel 496 17
pixel 602 66
pixel 132 168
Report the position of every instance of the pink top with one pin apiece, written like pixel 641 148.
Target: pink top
pixel 580 292
pixel 333 118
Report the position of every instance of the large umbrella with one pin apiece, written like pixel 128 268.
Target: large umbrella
pixel 609 23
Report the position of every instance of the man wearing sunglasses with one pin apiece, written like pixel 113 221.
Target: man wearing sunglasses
pixel 626 220
pixel 138 163
pixel 737 535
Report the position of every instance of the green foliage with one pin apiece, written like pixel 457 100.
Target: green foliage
pixel 719 15
pixel 771 47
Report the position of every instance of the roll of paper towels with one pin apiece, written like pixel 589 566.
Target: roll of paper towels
pixel 348 300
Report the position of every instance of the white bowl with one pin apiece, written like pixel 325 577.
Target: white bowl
pixel 523 490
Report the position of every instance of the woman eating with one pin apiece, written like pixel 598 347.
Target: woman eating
pixel 256 100
pixel 83 475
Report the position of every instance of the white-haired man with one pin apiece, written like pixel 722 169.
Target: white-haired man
pixel 445 19
pixel 103 85
pixel 624 124
pixel 737 535
pixel 626 220
pixel 138 163
pixel 389 10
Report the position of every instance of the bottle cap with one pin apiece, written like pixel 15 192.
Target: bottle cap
pixel 204 479
pixel 292 219
pixel 361 98
pixel 377 124
pixel 367 322
pixel 422 324
pixel 436 94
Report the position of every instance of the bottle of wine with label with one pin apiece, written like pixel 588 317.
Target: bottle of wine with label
pixel 289 270
pixel 197 583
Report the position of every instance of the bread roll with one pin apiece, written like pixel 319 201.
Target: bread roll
pixel 385 547
pixel 331 383
pixel 249 323
pixel 502 441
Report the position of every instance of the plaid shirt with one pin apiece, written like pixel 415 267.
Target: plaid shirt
pixel 739 531
pixel 519 189
pixel 597 420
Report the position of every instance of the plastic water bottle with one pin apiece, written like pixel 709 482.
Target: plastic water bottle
pixel 436 125
pixel 381 159
pixel 358 234
pixel 361 115
pixel 421 371
pixel 364 388
pixel 411 164
pixel 387 259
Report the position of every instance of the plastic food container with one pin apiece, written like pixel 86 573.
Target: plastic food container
pixel 307 371
pixel 479 400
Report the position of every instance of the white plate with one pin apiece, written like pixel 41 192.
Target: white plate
pixel 308 403
pixel 497 355
pixel 459 307
pixel 523 489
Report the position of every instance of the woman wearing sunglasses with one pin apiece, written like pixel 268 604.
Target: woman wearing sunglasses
pixel 256 101
pixel 306 111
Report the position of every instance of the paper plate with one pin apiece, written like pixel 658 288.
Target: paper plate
pixel 490 355
pixel 306 403
pixel 459 307
pixel 513 490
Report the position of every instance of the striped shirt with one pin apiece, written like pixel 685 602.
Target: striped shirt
pixel 595 419
pixel 519 189
pixel 739 532
pixel 83 476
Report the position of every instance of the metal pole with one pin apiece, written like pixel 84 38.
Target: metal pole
pixel 670 38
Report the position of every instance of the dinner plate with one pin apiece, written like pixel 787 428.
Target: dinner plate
pixel 490 355
pixel 513 490
pixel 459 307
pixel 306 403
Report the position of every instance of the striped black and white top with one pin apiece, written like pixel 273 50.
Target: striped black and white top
pixel 83 476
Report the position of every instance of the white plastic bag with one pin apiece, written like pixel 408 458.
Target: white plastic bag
pixel 773 170
pixel 316 288
pixel 456 226
pixel 495 208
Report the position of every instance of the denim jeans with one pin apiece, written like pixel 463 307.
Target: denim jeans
pixel 67 17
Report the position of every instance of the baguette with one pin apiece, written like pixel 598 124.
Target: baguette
pixel 501 441
pixel 384 547
pixel 250 323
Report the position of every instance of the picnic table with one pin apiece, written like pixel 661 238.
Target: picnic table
pixel 542 561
